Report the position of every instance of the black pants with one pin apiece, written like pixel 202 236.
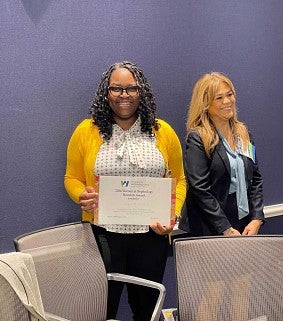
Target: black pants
pixel 231 211
pixel 143 255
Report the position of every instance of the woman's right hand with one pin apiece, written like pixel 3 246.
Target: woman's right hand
pixel 88 199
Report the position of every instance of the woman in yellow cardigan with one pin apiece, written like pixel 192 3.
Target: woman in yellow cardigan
pixel 124 138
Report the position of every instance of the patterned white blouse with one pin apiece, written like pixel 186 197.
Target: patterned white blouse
pixel 129 153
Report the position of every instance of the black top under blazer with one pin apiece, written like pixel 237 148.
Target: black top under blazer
pixel 208 182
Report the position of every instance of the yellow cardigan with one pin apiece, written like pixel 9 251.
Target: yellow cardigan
pixel 83 149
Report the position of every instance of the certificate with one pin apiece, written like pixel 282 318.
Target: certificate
pixel 136 200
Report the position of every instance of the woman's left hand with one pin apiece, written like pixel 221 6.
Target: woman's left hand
pixel 252 228
pixel 161 229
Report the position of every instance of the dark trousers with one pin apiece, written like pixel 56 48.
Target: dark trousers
pixel 143 255
pixel 231 211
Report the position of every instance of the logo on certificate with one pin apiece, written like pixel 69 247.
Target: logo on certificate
pixel 125 183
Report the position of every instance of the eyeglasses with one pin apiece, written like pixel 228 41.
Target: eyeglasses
pixel 117 90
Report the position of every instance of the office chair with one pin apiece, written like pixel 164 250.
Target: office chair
pixel 229 278
pixel 20 298
pixel 71 274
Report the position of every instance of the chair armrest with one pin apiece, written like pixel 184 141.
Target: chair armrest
pixel 53 317
pixel 143 282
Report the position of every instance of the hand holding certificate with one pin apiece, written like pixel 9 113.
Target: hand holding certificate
pixel 136 200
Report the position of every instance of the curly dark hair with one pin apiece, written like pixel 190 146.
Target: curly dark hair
pixel 101 112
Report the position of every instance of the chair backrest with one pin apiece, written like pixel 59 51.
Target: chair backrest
pixel 11 307
pixel 20 298
pixel 71 274
pixel 229 278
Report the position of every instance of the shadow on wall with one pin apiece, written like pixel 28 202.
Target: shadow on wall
pixel 36 8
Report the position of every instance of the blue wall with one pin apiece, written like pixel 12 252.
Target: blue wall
pixel 52 54
pixel 52 57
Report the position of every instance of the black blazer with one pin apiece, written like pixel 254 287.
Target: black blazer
pixel 208 182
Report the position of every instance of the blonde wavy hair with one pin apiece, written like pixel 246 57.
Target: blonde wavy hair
pixel 198 118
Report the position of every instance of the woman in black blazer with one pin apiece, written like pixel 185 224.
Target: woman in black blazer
pixel 225 195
